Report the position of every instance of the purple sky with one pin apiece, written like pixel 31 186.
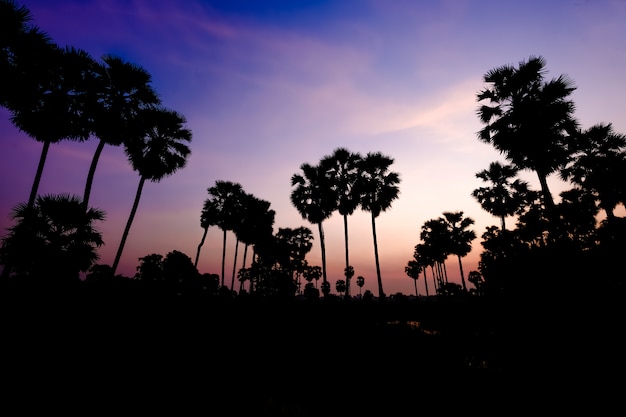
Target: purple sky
pixel 266 86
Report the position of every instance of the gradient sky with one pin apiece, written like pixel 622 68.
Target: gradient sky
pixel 268 85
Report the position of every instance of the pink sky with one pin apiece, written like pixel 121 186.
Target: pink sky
pixel 266 87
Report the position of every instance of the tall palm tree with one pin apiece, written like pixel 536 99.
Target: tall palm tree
pixel 460 238
pixel 380 188
pixel 57 109
pixel 208 217
pixel 227 197
pixel 159 152
pixel 505 197
pixel 55 238
pixel 257 223
pixel 528 119
pixel 342 167
pixel 120 91
pixel 314 199
pixel 598 165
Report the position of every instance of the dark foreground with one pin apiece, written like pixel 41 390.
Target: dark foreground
pixel 86 354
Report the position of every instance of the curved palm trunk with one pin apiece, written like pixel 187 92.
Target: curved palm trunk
pixel 232 283
pixel 345 234
pixel 92 172
pixel 381 294
pixel 462 276
pixel 547 196
pixel 38 175
pixel 118 255
pixel 323 247
pixel 206 229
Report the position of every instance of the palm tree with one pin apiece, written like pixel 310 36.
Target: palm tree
pixel 528 119
pixel 208 217
pixel 55 238
pixel 121 91
pixel 159 152
pixel 226 197
pixel 504 198
pixel 460 237
pixel 342 167
pixel 314 199
pixel 598 165
pixel 360 281
pixel 413 269
pixel 379 190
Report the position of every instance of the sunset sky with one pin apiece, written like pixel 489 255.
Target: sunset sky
pixel 268 85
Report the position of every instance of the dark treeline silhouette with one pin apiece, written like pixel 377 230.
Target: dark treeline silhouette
pixel 545 305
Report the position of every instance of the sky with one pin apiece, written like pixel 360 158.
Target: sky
pixel 267 86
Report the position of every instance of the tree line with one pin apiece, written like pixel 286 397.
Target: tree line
pixel 55 94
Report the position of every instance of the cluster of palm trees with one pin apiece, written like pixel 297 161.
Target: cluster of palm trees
pixel 342 181
pixel 58 93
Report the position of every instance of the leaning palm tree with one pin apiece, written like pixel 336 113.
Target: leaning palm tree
pixel 208 217
pixel 121 91
pixel 314 199
pixel 504 197
pixel 379 190
pixel 528 119
pixel 460 238
pixel 160 151
pixel 342 167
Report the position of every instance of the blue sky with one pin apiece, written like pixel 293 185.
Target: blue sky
pixel 267 86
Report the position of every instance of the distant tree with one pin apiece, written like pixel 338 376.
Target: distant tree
pixel 313 197
pixel 360 281
pixel 460 238
pixel 413 269
pixel 379 190
pixel 505 197
pixel 340 286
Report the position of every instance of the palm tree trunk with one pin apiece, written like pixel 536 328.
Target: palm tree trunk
pixel 548 200
pixel 381 294
pixel 232 283
pixel 206 229
pixel 425 281
pixel 415 282
pixel 92 172
pixel 345 234
pixel 323 247
pixel 462 276
pixel 118 255
pixel 223 256
pixel 38 175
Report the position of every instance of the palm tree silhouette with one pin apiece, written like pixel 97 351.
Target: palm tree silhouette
pixel 528 119
pixel 55 238
pixel 413 269
pixel 314 199
pixel 122 90
pixel 208 217
pixel 226 198
pixel 598 165
pixel 460 237
pixel 504 198
pixel 360 281
pixel 342 167
pixel 159 152
pixel 379 190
